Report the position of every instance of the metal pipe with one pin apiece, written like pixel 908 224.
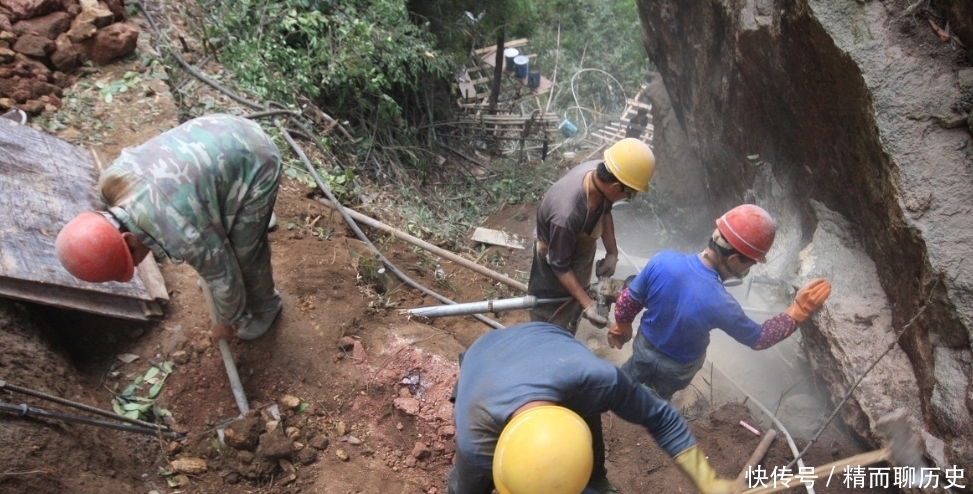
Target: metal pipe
pixel 81 406
pixel 495 305
pixel 23 410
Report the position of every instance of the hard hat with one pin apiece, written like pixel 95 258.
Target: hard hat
pixel 92 249
pixel 749 230
pixel 631 162
pixel 543 450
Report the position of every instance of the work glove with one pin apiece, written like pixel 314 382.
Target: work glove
pixel 606 266
pixel 808 299
pixel 693 463
pixel 221 332
pixel 619 334
pixel 591 314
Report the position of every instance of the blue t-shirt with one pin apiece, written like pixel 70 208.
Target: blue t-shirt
pixel 507 368
pixel 685 300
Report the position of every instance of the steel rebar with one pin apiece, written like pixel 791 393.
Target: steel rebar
pixel 24 411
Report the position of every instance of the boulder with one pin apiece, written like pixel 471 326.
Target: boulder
pixel 49 26
pixel 829 114
pixel 28 9
pixel 65 58
pixel 111 42
pixel 33 45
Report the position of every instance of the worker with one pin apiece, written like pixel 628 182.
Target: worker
pixel 527 411
pixel 573 214
pixel 684 298
pixel 202 193
pixel 637 124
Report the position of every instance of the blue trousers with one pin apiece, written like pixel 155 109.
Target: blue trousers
pixel 657 371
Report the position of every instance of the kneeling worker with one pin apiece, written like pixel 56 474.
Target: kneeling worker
pixel 202 193
pixel 527 412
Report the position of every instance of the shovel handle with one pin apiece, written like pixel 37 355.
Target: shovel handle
pixel 235 384
pixel 863 459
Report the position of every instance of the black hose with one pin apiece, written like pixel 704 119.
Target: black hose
pixel 361 235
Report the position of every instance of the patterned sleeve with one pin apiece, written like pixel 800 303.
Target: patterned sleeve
pixel 626 307
pixel 775 330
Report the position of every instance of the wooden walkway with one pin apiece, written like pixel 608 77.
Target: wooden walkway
pixel 615 129
pixel 44 182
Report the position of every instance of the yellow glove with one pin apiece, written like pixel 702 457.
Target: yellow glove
pixel 693 463
pixel 808 299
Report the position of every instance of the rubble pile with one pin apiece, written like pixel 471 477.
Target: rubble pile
pixel 42 42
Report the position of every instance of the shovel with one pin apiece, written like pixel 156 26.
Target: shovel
pixel 231 371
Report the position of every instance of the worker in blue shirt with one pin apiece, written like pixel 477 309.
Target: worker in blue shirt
pixel 527 412
pixel 684 299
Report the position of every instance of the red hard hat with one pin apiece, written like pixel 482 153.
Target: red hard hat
pixel 749 230
pixel 92 249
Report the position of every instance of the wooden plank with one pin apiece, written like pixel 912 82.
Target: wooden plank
pixel 467 89
pixel 69 298
pixel 496 237
pixel 47 181
pixel 508 44
pixel 639 104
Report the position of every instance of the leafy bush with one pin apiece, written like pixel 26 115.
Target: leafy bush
pixel 354 57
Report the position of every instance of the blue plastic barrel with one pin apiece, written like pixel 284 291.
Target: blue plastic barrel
pixel 534 78
pixel 520 62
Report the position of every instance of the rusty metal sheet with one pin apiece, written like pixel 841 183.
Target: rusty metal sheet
pixel 44 182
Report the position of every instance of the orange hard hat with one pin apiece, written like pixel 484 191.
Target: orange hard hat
pixel 749 230
pixel 92 249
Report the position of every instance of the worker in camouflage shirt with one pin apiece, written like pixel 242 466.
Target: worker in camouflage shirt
pixel 201 193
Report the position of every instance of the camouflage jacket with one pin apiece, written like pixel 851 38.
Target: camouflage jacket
pixel 181 193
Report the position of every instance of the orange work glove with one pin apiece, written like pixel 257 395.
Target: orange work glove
pixel 619 334
pixel 808 299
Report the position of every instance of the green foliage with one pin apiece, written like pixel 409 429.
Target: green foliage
pixel 137 402
pixel 461 25
pixel 342 183
pixel 352 54
pixel 594 34
pixel 449 213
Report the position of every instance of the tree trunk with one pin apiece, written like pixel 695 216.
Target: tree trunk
pixel 497 74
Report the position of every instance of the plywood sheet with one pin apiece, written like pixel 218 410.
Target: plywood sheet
pixel 496 237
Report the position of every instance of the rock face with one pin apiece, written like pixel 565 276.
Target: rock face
pixel 849 122
pixel 41 41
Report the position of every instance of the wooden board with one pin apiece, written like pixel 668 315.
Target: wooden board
pixel 44 182
pixel 496 237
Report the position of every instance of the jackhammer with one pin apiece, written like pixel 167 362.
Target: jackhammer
pixel 605 291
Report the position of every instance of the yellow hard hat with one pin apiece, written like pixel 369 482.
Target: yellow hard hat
pixel 543 450
pixel 631 162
